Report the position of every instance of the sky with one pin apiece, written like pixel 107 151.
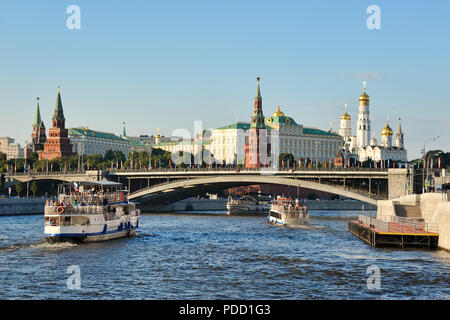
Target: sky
pixel 166 64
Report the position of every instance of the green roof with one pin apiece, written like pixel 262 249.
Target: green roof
pixel 80 131
pixel 59 114
pixel 318 132
pixel 37 118
pixel 237 125
pixel 281 120
pixel 174 143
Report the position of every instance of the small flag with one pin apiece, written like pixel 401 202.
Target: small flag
pixel 75 187
pixel 439 162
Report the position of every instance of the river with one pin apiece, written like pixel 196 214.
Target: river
pixel 194 256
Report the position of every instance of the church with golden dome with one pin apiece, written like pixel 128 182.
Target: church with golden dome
pixel 360 147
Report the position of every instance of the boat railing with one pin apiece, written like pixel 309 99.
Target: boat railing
pixel 88 198
pixel 74 210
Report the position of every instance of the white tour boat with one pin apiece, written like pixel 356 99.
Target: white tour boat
pixel 285 211
pixel 90 212
pixel 249 204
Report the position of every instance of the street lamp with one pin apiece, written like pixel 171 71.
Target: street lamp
pixel 425 163
pixel 149 155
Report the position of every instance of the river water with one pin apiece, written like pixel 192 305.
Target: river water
pixel 218 257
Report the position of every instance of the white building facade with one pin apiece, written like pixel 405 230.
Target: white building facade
pixel 228 142
pixel 87 141
pixel 360 147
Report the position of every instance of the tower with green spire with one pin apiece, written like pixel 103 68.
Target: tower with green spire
pixel 58 144
pixel 124 133
pixel 257 120
pixel 38 136
pixel 257 148
pixel 58 116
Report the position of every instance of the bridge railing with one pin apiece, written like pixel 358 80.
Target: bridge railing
pixel 50 173
pixel 226 169
pixel 242 170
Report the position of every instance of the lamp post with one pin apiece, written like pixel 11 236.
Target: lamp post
pixel 425 162
pixel 149 156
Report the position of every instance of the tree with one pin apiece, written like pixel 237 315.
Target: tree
pixel 19 188
pixel 34 188
pixel 286 160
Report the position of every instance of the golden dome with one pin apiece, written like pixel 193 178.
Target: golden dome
pixel 364 96
pixel 278 113
pixel 387 131
pixel 346 116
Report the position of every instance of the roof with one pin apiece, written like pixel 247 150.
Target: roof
pixel 237 125
pixel 181 142
pixel 318 132
pixel 37 118
pixel 59 114
pixel 86 132
pixel 280 120
pixel 103 182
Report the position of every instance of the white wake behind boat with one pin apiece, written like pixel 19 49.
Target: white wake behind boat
pixel 90 212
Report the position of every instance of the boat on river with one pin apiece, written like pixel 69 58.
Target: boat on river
pixel 249 204
pixel 90 211
pixel 285 211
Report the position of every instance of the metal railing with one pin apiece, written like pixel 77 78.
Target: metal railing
pixel 399 224
pixel 204 169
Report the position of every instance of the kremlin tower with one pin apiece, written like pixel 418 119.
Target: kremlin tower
pixel 399 136
pixel 58 143
pixel 257 149
pixel 38 136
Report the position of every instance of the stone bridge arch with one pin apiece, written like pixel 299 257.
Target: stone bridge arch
pixel 180 189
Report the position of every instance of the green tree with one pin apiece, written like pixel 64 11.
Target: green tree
pixel 286 160
pixel 34 188
pixel 19 188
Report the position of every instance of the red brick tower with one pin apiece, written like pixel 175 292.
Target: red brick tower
pixel 58 143
pixel 257 147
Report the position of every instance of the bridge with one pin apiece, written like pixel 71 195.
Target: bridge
pixel 168 185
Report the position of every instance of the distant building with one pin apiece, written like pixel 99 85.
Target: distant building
pixel 38 136
pixel 88 141
pixel 283 134
pixel 359 147
pixel 58 144
pixel 257 147
pixel 11 149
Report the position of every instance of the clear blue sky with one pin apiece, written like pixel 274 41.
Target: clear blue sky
pixel 167 63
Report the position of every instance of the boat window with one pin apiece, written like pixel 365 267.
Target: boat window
pixel 66 221
pixel 80 221
pixel 53 222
